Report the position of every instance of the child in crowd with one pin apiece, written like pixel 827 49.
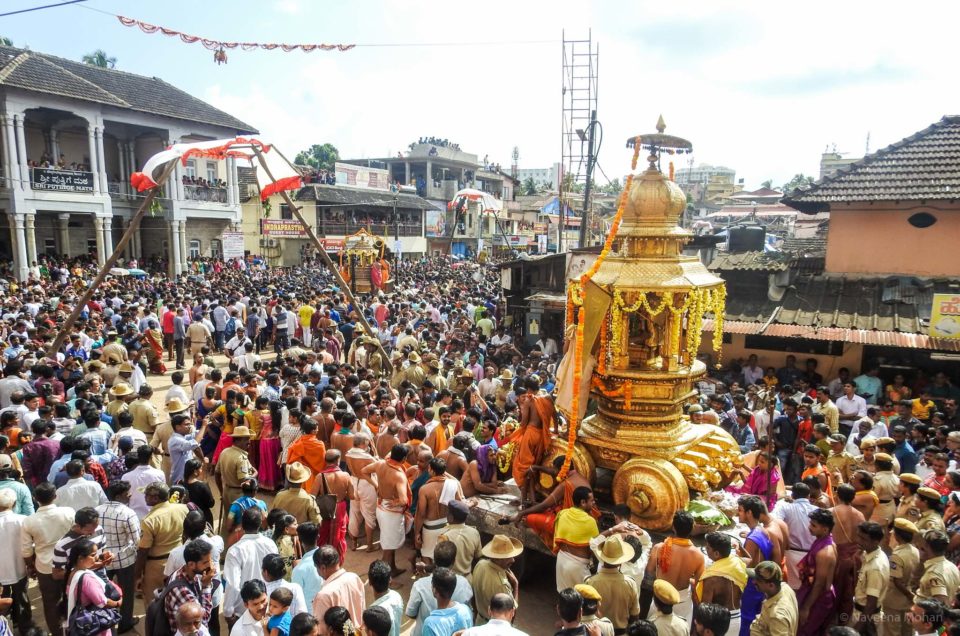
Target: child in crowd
pixel 278 621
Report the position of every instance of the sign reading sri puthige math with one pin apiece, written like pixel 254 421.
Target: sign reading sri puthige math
pixel 945 316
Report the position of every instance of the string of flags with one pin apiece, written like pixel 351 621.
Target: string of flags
pixel 219 47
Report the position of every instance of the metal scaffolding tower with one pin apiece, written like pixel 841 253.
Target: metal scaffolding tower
pixel 580 68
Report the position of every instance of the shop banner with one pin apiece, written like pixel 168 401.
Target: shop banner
pixel 282 228
pixel 945 316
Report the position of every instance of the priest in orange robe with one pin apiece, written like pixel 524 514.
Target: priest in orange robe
pixel 308 450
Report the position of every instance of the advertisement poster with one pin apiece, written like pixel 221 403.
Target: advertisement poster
pixel 435 222
pixel 579 264
pixel 232 243
pixel 945 316
pixel 362 176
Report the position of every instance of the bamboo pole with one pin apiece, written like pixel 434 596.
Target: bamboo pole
pixel 326 258
pixel 110 262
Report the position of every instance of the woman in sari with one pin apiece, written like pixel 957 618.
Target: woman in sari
pixel 153 338
pixel 762 481
pixel 205 408
pixel 84 587
pixel 253 419
pixel 268 466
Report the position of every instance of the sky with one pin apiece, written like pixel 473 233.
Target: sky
pixel 761 87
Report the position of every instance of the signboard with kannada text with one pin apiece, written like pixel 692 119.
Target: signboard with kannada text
pixel 945 316
pixel 232 243
pixel 282 228
pixel 61 180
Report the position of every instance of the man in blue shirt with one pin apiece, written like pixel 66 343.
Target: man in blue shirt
pixel 450 616
pixel 305 572
pixel 785 430
pixel 903 451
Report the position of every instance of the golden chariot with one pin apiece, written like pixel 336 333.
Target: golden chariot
pixel 636 323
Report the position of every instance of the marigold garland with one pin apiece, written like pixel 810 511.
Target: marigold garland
pixel 602 362
pixel 581 316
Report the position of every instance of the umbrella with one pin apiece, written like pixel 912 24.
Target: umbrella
pixel 119 271
pixel 137 272
pixel 489 202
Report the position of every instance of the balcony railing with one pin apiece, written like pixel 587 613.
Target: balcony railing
pixel 61 180
pixel 208 194
pixel 330 228
pixel 113 188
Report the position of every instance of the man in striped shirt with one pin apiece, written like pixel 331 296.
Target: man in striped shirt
pixel 86 525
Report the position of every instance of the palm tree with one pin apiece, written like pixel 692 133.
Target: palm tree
pixel 5 41
pixel 100 58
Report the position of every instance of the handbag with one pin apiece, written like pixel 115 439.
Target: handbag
pixel 85 621
pixel 326 501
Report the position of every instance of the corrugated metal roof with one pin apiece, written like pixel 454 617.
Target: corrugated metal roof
pixel 853 336
pixel 749 261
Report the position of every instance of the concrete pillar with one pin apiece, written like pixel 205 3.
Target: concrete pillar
pixel 185 255
pixel 124 172
pixel 31 231
pixel 63 233
pixel 20 245
pixel 101 161
pixel 231 180
pixel 107 237
pixel 98 233
pixel 92 149
pixel 175 263
pixel 21 141
pixel 429 174
pixel 8 164
pixel 55 144
pixel 406 173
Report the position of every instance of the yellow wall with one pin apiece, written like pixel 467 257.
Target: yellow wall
pixel 827 366
pixel 879 240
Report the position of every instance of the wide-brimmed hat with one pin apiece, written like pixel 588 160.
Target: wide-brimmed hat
pixel 176 405
pixel 506 374
pixel 414 357
pixel 297 473
pixel 502 547
pixel 121 389
pixel 240 431
pixel 434 364
pixel 126 367
pixel 614 551
pixel 466 373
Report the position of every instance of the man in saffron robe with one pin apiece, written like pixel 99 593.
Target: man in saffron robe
pixel 309 451
pixel 816 597
pixel 532 439
pixel 574 528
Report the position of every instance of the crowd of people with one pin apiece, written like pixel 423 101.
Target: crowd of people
pixel 299 428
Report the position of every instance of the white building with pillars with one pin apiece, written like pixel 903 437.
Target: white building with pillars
pixel 101 125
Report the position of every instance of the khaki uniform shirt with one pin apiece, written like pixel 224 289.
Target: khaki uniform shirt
pixel 488 579
pixel 606 627
pixel 844 463
pixel 621 598
pixel 144 415
pixel 115 407
pixel 930 520
pixel 299 503
pixel 940 578
pixel 439 382
pixel 907 509
pixel 233 467
pixel 162 529
pixel 415 375
pixel 467 540
pixel 862 464
pixel 887 486
pixel 904 564
pixel 778 614
pixel 873 579
pixel 114 352
pixel 671 625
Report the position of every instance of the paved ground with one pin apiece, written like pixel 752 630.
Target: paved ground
pixel 537 589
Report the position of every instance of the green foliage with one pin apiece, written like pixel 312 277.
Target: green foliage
pixel 320 157
pixel 767 184
pixel 799 180
pixel 100 58
pixel 614 187
pixel 529 186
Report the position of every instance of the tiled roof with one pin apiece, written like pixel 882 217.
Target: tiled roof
pixel 749 261
pixel 853 336
pixel 899 304
pixel 805 247
pixel 355 196
pixel 48 74
pixel 924 166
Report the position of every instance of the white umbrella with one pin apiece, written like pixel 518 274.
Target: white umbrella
pixel 489 202
pixel 119 271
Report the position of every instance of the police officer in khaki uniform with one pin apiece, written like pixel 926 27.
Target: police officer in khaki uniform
pixel 931 510
pixel 867 461
pixel 233 467
pixel 941 578
pixel 886 485
pixel 886 445
pixel 904 568
pixel 121 393
pixel 873 580
pixel 907 509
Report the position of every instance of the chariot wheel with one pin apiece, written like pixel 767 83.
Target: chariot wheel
pixel 653 489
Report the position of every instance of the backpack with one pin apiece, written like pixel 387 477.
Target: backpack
pixel 326 501
pixel 155 621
